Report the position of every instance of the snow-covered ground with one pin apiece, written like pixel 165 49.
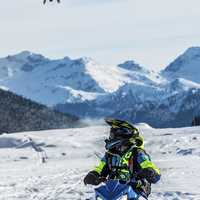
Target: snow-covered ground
pixel 71 154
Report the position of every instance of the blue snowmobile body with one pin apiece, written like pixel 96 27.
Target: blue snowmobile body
pixel 114 190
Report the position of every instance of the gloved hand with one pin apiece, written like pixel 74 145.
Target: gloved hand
pixel 136 183
pixel 150 175
pixel 92 178
pixel 141 184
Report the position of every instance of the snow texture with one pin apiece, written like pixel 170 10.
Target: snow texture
pixel 71 153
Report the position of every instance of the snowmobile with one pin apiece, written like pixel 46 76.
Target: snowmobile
pixel 58 1
pixel 116 190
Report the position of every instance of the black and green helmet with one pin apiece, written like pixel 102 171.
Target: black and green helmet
pixel 122 133
pixel 127 128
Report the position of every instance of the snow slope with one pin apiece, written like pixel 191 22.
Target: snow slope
pixel 185 66
pixel 65 80
pixel 71 154
pixel 85 88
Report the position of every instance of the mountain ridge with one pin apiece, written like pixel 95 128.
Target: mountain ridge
pixel 89 89
pixel 186 66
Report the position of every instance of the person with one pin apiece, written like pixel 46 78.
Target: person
pixel 50 1
pixel 125 159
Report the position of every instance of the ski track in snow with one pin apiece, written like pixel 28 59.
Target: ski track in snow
pixel 71 154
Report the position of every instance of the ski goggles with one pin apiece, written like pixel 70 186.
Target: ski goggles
pixel 116 143
pixel 118 133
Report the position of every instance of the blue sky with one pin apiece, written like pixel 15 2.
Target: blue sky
pixel 151 32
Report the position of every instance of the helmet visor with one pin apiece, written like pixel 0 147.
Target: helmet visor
pixel 120 133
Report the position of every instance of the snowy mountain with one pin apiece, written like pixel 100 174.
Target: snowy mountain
pixel 186 66
pixel 132 65
pixel 162 106
pixel 25 61
pixel 59 81
pixel 86 88
pixel 56 81
pixel 71 153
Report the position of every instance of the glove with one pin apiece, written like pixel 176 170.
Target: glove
pixel 141 185
pixel 150 175
pixel 92 178
pixel 136 184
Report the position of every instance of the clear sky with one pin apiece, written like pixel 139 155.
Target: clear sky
pixel 151 32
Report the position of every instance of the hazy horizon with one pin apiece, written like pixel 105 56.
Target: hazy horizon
pixel 151 33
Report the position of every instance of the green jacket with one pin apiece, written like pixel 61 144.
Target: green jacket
pixel 134 163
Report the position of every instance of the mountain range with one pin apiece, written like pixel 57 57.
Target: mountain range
pixel 85 88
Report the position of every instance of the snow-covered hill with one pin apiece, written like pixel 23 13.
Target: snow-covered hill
pixel 186 66
pixel 71 154
pixel 86 88
pixel 171 105
pixel 59 81
pixel 13 66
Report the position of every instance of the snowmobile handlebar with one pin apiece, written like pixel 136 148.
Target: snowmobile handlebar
pixel 104 180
